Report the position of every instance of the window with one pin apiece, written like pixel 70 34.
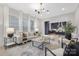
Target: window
pixel 14 22
pixel 32 25
pixel 25 24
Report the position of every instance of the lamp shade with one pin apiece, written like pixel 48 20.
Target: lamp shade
pixel 37 29
pixel 10 30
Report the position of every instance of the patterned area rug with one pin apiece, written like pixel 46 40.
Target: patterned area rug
pixel 29 53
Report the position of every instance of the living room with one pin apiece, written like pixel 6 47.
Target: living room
pixel 37 28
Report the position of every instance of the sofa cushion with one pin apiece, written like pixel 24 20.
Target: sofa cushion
pixel 24 34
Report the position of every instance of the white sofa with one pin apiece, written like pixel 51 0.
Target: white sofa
pixel 19 36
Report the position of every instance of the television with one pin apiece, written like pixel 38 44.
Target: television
pixel 54 25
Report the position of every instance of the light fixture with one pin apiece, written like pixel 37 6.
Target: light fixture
pixel 41 10
pixel 63 9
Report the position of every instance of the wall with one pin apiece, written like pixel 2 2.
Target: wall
pixel 65 17
pixel 1 25
pixel 41 26
pixel 4 22
pixel 76 21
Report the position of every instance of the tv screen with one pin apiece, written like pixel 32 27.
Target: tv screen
pixel 54 25
pixel 64 23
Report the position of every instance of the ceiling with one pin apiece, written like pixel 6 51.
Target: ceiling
pixel 55 9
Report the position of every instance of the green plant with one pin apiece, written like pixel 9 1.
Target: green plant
pixel 69 28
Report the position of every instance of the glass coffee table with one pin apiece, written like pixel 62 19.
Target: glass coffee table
pixel 55 48
pixel 39 42
pixel 52 50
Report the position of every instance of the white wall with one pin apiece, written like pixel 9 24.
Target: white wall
pixel 41 26
pixel 4 12
pixel 60 18
pixel 76 21
pixel 1 26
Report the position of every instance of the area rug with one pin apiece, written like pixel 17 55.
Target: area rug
pixel 29 53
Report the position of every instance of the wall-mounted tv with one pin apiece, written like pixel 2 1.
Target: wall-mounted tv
pixel 57 25
pixel 54 25
pixel 63 23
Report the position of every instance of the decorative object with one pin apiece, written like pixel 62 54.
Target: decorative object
pixel 37 33
pixel 69 28
pixel 10 35
pixel 24 37
pixel 10 39
pixel 41 10
pixel 10 32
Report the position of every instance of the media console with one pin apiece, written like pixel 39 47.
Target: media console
pixel 55 32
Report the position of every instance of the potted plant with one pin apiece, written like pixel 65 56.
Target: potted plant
pixel 69 28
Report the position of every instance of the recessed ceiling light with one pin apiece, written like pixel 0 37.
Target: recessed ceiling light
pixel 63 9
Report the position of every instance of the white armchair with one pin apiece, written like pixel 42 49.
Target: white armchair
pixel 75 36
